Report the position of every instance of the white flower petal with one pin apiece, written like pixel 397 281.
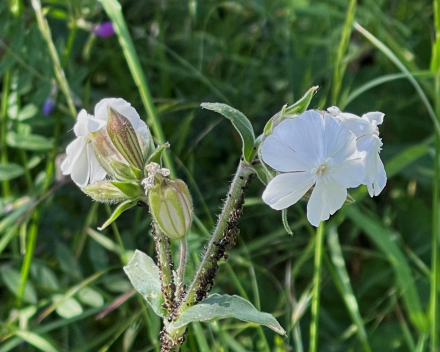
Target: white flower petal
pixel 350 173
pixel 81 172
pixel 304 135
pixel 286 189
pixel 375 116
pixel 121 106
pixel 73 151
pixel 280 157
pixel 326 198
pixel 339 143
pixel 377 179
pixel 359 127
pixel 80 127
pixel 97 172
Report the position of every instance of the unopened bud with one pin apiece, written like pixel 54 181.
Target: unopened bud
pixel 171 207
pixel 124 138
pixel 105 192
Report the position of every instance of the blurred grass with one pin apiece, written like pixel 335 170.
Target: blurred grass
pixel 256 56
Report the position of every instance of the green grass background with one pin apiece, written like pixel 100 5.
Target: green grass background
pixel 62 287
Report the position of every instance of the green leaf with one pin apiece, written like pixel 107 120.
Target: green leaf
pixel 382 237
pixel 35 340
pixel 156 155
pixel 68 308
pixel 405 158
pixel 11 279
pixel 118 211
pixel 29 142
pixel 27 112
pixel 302 104
pixel 144 276
pixel 217 307
pixel 10 171
pixel 91 297
pixel 240 122
pixel 44 276
pixel 291 111
pixel 345 286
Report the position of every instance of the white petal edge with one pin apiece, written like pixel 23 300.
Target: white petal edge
pixel 286 189
pixel 326 198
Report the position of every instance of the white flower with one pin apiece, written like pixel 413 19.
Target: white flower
pixel 92 139
pixel 124 108
pixel 312 150
pixel 81 162
pixel 368 141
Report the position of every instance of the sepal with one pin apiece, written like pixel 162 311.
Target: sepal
pixel 171 207
pixel 118 211
pixel 105 192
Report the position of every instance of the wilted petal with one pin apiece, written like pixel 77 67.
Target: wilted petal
pixel 326 198
pixel 286 189
pixel 375 116
pixel 280 157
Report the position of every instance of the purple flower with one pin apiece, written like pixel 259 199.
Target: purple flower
pixel 104 29
pixel 48 107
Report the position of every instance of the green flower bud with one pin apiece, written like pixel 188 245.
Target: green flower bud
pixel 124 138
pixel 105 192
pixel 171 207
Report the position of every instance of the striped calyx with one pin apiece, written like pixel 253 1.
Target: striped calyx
pixel 124 138
pixel 171 206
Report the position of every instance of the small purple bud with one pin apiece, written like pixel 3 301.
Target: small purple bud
pixel 48 107
pixel 104 30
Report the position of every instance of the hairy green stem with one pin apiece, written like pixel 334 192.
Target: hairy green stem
pixel 166 266
pixel 181 268
pixel 223 237
pixel 316 288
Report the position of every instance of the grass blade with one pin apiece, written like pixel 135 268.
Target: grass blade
pixel 114 11
pixel 344 282
pixel 383 239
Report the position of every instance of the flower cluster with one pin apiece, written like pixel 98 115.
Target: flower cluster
pixel 113 161
pixel 325 152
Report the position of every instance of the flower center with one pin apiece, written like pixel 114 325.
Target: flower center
pixel 322 169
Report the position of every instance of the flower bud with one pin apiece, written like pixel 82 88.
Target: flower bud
pixel 171 207
pixel 104 30
pixel 105 192
pixel 124 138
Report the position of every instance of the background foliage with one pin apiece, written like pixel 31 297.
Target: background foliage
pixel 62 286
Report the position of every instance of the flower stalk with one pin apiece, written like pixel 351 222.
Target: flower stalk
pixel 166 266
pixel 224 237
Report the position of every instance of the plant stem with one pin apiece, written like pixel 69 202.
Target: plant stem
pixel 6 189
pixel 58 70
pixel 435 231
pixel 316 288
pixel 166 266
pixel 181 268
pixel 223 237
